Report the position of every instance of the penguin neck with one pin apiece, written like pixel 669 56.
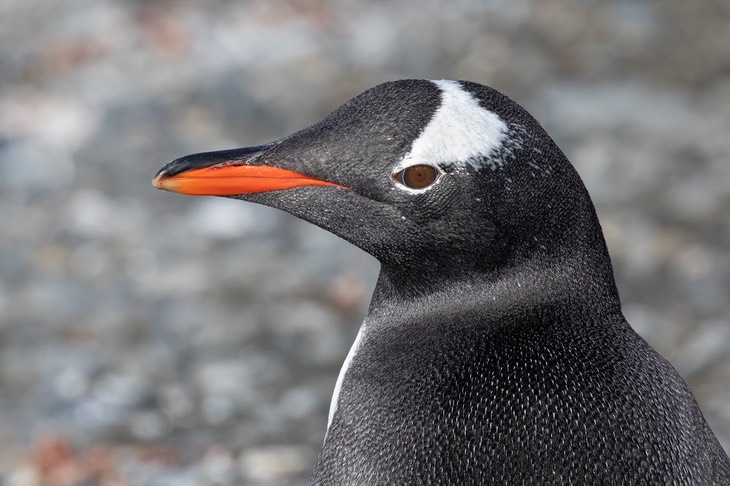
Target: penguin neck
pixel 576 275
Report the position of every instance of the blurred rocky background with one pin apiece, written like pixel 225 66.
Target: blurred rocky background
pixel 148 338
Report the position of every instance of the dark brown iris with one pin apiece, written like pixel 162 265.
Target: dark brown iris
pixel 417 176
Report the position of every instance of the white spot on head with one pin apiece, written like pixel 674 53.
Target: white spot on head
pixel 461 132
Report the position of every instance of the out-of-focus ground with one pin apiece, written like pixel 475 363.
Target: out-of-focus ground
pixel 148 338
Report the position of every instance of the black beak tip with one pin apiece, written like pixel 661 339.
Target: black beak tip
pixel 161 173
pixel 208 159
pixel 170 169
pixel 179 166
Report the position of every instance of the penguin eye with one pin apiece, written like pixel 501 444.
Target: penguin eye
pixel 417 176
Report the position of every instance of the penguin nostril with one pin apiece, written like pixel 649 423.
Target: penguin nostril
pixel 417 176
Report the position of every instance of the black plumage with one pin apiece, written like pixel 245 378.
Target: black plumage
pixel 494 349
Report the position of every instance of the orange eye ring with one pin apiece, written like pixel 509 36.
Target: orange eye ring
pixel 417 176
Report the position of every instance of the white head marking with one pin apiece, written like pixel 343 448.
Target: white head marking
pixel 461 132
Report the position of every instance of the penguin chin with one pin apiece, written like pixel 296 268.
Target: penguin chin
pixel 404 245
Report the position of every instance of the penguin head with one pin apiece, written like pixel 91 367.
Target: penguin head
pixel 427 176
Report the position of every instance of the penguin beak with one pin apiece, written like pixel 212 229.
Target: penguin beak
pixel 229 173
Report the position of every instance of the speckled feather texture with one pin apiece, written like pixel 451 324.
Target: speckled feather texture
pixel 541 398
pixel 494 350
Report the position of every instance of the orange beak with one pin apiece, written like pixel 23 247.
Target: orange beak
pixel 231 180
pixel 210 174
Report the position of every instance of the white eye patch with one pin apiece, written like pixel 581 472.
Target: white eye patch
pixel 460 133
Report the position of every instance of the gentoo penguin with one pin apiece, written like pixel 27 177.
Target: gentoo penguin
pixel 494 350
